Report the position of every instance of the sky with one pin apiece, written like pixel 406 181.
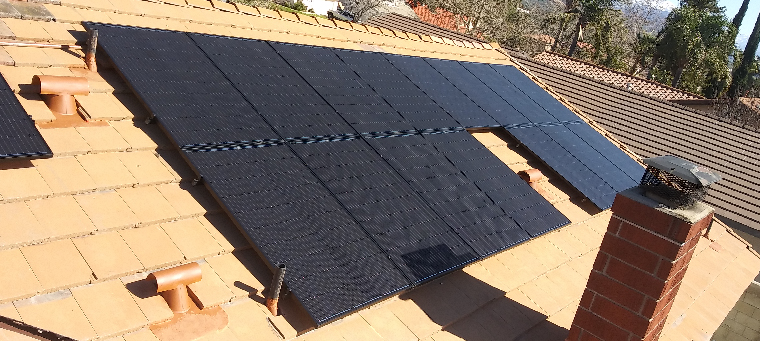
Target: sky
pixel 732 6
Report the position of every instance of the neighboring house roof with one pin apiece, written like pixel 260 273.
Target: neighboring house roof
pixel 612 77
pixel 394 21
pixel 82 229
pixel 653 127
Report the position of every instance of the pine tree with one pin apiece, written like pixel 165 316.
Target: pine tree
pixel 740 74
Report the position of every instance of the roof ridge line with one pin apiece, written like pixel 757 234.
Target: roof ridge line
pixel 620 73
pixel 634 93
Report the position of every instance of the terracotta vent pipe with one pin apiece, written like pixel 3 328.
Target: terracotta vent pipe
pixel 531 176
pixel 61 91
pixel 172 285
pixel 274 290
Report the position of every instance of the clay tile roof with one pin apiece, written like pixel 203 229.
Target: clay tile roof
pixel 82 230
pixel 612 77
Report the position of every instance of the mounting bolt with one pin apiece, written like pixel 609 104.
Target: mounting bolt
pixel 196 181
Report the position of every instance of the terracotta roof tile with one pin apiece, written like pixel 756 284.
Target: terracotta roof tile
pixel 22 180
pixel 108 255
pixel 146 167
pixel 109 308
pixel 64 175
pixel 61 216
pixel 144 294
pixel 192 238
pixel 20 225
pixel 615 78
pixel 210 290
pixel 233 268
pixel 148 204
pixel 107 210
pixel 16 277
pixel 57 265
pixel 103 139
pixel 152 246
pixel 106 170
pixel 46 311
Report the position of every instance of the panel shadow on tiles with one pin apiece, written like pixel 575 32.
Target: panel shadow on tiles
pixel 19 137
pixel 333 264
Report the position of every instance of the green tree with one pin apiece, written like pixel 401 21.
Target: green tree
pixel 589 11
pixel 692 49
pixel 741 72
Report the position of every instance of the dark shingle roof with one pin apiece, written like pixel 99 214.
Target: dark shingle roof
pixel 652 127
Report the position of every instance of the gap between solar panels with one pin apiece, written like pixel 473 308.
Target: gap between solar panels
pixel 355 168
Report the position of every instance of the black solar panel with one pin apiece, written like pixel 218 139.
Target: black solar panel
pixel 294 220
pixel 446 95
pixel 19 137
pixel 181 86
pixel 352 168
pixel 548 128
pixel 388 209
pixel 455 198
pixel 525 206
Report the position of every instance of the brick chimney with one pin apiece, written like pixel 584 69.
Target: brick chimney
pixel 639 268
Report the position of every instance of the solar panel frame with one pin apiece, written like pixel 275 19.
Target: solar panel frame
pixel 19 137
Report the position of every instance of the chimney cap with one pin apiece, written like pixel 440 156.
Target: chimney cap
pixel 691 172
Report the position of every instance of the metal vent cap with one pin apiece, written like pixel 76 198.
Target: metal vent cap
pixel 675 182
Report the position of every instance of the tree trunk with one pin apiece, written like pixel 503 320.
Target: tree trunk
pixel 740 74
pixel 677 76
pixel 739 17
pixel 574 44
pixel 559 33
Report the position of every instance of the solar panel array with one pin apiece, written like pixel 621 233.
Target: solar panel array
pixel 354 169
pixel 19 138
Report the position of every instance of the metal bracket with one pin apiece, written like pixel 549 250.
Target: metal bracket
pixel 196 181
pixel 150 120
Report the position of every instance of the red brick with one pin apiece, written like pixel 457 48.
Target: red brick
pixel 682 231
pixel 585 336
pixel 575 334
pixel 620 316
pixel 615 291
pixel 597 326
pixel 601 262
pixel 587 299
pixel 649 241
pixel 642 215
pixel 614 225
pixel 630 253
pixel 669 269
pixel 635 278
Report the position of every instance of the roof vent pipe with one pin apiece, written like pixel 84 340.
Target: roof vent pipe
pixel 172 285
pixel 60 91
pixel 531 176
pixel 675 182
pixel 274 291
pixel 89 55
